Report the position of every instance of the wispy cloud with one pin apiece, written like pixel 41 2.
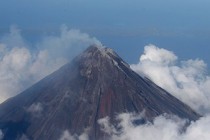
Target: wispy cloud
pixel 24 137
pixel 67 136
pixel 22 64
pixel 36 109
pixel 1 135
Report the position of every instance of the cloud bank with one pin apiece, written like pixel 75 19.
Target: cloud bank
pixel 22 64
pixel 186 80
pixel 162 128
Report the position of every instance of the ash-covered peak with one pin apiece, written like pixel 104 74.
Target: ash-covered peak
pixel 100 49
pixel 98 55
pixel 93 48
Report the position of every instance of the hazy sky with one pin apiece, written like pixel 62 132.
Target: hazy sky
pixel 125 25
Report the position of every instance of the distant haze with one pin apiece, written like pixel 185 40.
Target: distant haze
pixel 181 26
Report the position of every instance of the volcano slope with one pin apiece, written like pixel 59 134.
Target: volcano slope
pixel 96 84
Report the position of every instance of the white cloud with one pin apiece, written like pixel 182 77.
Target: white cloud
pixel 162 128
pixel 24 137
pixel 35 108
pixel 67 136
pixel 158 55
pixel 186 80
pixel 1 135
pixel 106 126
pixel 198 130
pixel 21 66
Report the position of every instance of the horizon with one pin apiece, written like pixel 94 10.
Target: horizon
pixel 126 26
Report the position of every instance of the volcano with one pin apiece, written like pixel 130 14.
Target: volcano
pixel 95 84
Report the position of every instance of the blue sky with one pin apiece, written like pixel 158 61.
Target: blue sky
pixel 125 25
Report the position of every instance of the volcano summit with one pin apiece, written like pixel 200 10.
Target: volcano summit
pixel 96 84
